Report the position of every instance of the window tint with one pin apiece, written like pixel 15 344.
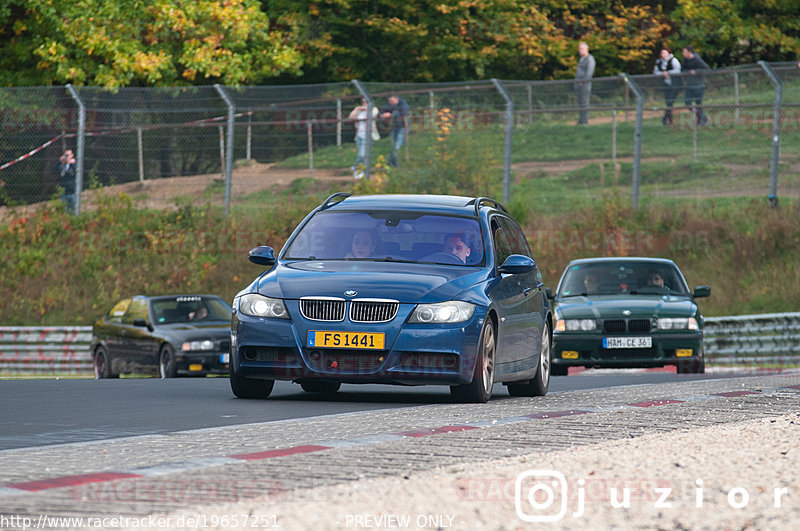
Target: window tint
pixel 137 310
pixel 384 235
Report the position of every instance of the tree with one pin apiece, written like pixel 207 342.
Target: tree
pixel 115 43
pixel 729 32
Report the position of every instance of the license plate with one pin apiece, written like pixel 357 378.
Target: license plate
pixel 354 340
pixel 225 358
pixel 627 342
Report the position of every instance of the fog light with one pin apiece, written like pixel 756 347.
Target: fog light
pixel 196 367
pixel 683 352
pixel 569 354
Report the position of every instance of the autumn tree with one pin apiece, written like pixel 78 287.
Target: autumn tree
pixel 118 43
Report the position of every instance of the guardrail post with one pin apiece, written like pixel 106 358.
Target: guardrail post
pixel 509 130
pixel 776 133
pixel 80 147
pixel 368 139
pixel 637 139
pixel 229 147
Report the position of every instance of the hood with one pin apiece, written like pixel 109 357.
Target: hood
pixel 613 306
pixel 410 283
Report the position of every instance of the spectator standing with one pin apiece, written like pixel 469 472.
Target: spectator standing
pixel 668 67
pixel 583 82
pixel 396 111
pixel 66 178
pixel 359 116
pixel 694 66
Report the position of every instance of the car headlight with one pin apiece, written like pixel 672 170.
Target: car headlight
pixel 261 306
pixel 677 323
pixel 575 325
pixel 442 312
pixel 198 345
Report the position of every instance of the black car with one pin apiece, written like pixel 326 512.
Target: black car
pixel 167 335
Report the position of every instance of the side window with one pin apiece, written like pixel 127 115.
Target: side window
pixel 137 310
pixel 502 245
pixel 119 309
pixel 516 238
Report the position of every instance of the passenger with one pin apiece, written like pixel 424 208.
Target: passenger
pixel 457 245
pixel 363 244
pixel 591 283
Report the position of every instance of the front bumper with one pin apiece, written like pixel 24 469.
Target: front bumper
pixel 586 350
pixel 200 363
pixel 415 354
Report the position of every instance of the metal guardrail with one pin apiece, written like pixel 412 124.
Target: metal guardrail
pixel 768 340
pixel 46 349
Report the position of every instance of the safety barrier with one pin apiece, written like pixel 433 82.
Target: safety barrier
pixel 45 350
pixel 766 341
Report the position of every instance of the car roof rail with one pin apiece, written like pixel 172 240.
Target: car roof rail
pixel 330 201
pixel 480 200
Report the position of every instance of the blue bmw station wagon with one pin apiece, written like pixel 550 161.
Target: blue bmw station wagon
pixel 396 289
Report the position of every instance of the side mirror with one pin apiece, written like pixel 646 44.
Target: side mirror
pixel 517 264
pixel 701 291
pixel 143 323
pixel 548 293
pixel 262 255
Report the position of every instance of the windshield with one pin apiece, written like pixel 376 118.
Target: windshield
pixel 629 277
pixel 389 236
pixel 190 309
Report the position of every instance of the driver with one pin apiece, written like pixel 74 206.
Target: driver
pixel 456 244
pixel 654 279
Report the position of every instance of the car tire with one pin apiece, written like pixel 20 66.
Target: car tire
pixel 479 390
pixel 102 365
pixel 311 386
pixel 249 387
pixel 167 364
pixel 540 383
pixel 692 366
pixel 559 370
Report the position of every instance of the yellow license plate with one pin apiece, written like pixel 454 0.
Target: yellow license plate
pixel 683 352
pixel 355 340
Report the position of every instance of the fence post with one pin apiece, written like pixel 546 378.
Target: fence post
pixel 229 150
pixel 310 127
pixel 530 102
pixel 776 133
pixel 141 153
pixel 736 98
pixel 338 123
pixel 368 140
pixel 637 139
pixel 614 140
pixel 80 147
pixel 249 152
pixel 509 130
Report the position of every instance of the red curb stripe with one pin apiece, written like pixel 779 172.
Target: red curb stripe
pixel 280 453
pixel 70 481
pixel 736 393
pixel 556 414
pixel 654 403
pixel 436 431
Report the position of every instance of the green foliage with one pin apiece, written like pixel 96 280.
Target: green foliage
pixel 119 43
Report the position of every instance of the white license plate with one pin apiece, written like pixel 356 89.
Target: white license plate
pixel 627 342
pixel 225 358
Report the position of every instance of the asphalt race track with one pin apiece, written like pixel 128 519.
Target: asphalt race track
pixel 49 411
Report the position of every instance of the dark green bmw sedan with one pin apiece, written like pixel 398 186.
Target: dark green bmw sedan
pixel 627 312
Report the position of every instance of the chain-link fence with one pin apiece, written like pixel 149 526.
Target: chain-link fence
pixel 730 132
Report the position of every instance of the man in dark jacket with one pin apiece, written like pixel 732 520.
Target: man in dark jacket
pixel 396 111
pixel 693 67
